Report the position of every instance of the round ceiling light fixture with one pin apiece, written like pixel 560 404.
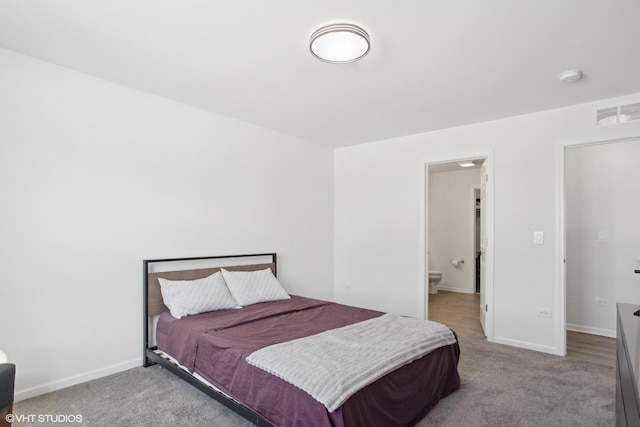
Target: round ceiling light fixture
pixel 570 76
pixel 339 43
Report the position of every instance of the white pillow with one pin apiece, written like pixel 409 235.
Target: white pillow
pixel 251 287
pixel 185 297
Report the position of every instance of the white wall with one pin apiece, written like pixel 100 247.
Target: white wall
pixel 602 196
pixel 379 216
pixel 451 227
pixel 96 177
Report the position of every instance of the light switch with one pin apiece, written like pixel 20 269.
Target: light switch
pixel 538 237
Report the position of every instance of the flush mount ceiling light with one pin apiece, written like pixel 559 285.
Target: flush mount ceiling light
pixel 339 43
pixel 466 164
pixel 570 76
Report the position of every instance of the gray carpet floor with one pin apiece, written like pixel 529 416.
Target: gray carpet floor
pixel 501 386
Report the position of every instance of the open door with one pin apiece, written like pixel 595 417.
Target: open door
pixel 477 241
pixel 483 245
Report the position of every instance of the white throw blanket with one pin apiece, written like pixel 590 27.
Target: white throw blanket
pixel 333 365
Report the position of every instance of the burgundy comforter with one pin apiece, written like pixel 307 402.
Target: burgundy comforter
pixel 216 345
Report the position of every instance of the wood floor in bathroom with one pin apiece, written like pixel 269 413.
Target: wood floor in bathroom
pixel 460 312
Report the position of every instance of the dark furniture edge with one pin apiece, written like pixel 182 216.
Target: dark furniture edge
pixel 627 403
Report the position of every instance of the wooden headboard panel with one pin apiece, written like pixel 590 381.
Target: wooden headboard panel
pixel 155 305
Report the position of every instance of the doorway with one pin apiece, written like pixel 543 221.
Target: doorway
pixel 601 234
pixel 453 238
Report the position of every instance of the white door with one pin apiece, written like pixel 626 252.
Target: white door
pixel 483 244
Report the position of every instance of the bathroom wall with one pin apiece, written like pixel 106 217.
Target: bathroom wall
pixel 451 227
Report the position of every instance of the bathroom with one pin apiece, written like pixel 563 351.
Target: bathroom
pixel 454 226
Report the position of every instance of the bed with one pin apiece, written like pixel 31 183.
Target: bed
pixel 219 352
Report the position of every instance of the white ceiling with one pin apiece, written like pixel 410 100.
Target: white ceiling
pixel 432 65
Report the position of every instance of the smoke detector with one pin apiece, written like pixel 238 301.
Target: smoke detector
pixel 570 76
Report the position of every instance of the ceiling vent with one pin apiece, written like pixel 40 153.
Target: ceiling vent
pixel 619 114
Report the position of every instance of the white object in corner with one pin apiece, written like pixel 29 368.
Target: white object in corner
pixel 434 278
pixel 3 357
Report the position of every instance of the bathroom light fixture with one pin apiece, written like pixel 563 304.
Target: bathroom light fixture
pixel 339 43
pixel 570 76
pixel 466 164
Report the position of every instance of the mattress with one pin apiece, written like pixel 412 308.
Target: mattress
pixel 215 345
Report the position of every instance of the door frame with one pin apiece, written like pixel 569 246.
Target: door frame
pixel 561 241
pixel 489 292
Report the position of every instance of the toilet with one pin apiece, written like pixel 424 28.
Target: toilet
pixel 434 278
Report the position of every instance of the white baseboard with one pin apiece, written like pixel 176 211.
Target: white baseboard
pixel 460 290
pixel 75 379
pixel 611 333
pixel 526 345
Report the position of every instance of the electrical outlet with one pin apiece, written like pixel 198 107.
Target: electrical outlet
pixel 544 312
pixel 602 301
